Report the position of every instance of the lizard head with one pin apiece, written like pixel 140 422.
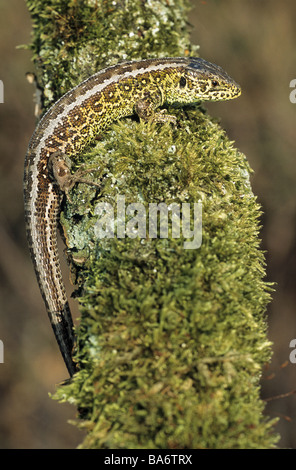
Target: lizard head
pixel 199 80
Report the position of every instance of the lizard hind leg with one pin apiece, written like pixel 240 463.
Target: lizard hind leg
pixel 59 167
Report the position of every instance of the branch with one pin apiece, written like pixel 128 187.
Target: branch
pixel 171 341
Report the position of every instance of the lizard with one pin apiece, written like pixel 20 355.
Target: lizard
pixel 70 125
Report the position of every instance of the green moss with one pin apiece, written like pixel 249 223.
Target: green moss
pixel 171 341
pixel 72 39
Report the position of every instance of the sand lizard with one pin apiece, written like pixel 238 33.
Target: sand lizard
pixel 70 125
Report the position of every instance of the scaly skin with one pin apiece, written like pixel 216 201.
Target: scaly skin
pixel 70 125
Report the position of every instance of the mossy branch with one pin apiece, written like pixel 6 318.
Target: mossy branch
pixel 171 341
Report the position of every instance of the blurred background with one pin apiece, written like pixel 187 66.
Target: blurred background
pixel 255 42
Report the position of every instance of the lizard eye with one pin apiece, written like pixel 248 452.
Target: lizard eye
pixel 215 83
pixel 182 82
